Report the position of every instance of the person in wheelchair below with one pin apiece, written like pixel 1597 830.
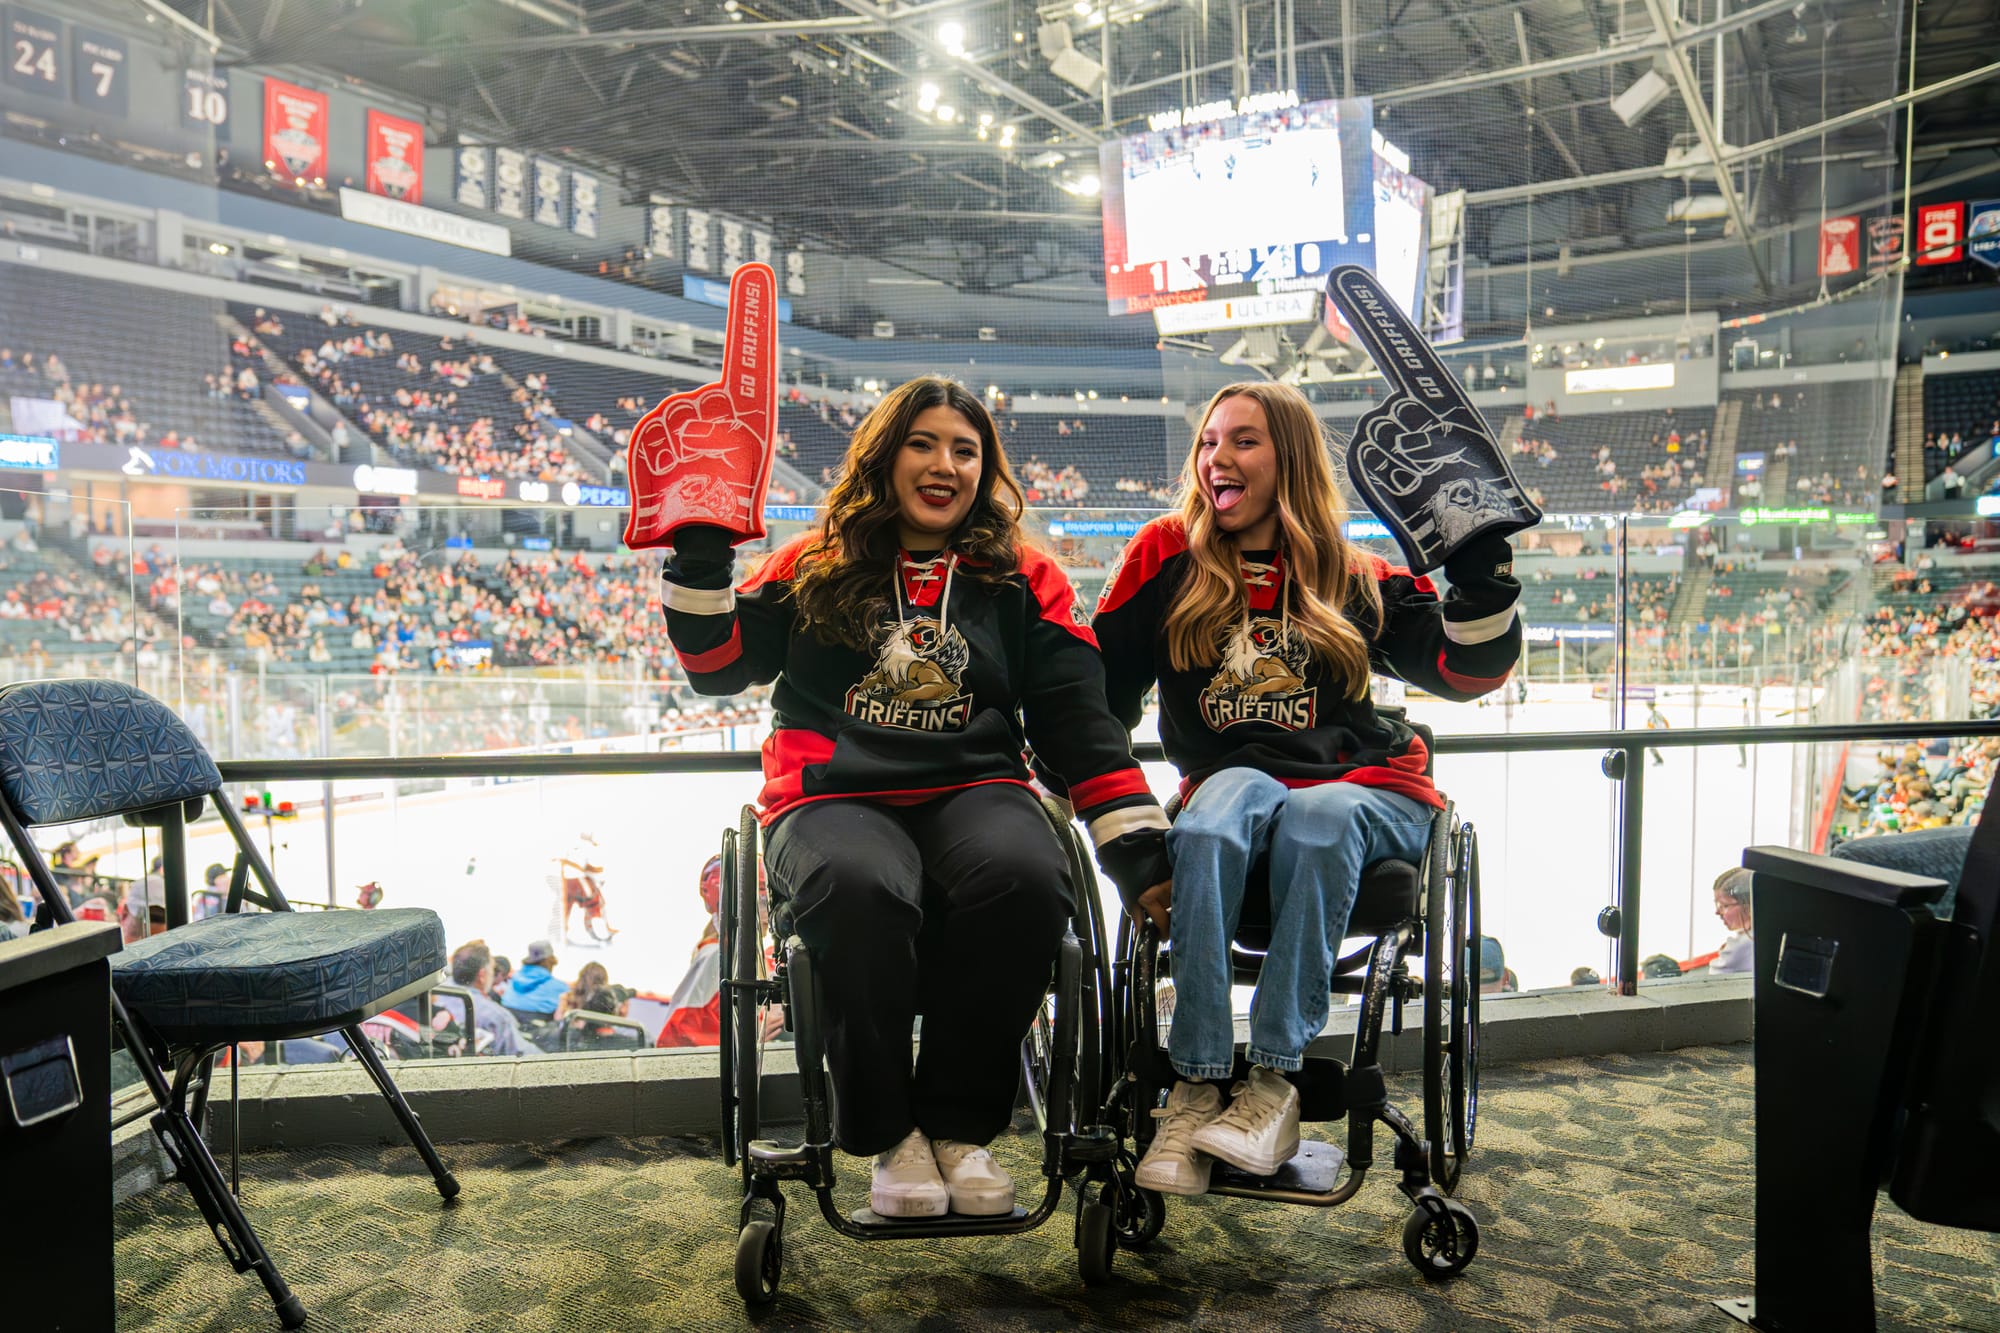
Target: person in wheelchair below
pixel 919 644
pixel 1260 625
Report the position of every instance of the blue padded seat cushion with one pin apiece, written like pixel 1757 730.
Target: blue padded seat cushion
pixel 263 976
pixel 1934 853
pixel 83 749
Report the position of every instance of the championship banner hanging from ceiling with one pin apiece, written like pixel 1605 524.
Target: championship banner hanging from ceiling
pixel 395 157
pixel 472 178
pixel 1982 231
pixel 295 121
pixel 1885 242
pixel 1941 233
pixel 760 245
pixel 510 182
pixel 698 233
pixel 660 228
pixel 548 192
pixel 582 203
pixel 1839 247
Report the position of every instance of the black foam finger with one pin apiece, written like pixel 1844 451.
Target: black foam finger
pixel 1424 460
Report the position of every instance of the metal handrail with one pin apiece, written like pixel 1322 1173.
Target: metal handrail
pixel 1622 763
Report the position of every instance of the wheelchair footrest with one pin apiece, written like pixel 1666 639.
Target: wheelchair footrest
pixel 868 1217
pixel 1316 1170
pixel 781 1162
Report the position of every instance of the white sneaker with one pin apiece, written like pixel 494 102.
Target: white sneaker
pixel 1171 1165
pixel 1260 1131
pixel 907 1183
pixel 978 1187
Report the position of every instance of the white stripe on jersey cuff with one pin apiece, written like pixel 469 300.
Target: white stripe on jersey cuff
pixel 699 601
pixel 1131 819
pixel 1465 633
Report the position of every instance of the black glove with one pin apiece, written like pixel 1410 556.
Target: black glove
pixel 1482 571
pixel 1135 862
pixel 701 551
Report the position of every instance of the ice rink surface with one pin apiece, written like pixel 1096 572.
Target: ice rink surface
pixel 482 855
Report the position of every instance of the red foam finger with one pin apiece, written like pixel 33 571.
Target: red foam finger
pixel 750 348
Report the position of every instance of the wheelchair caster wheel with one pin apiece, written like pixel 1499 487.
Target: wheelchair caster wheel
pixel 1136 1214
pixel 1095 1244
pixel 1440 1238
pixel 759 1259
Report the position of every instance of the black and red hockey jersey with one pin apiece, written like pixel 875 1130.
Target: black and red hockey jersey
pixel 965 677
pixel 1268 704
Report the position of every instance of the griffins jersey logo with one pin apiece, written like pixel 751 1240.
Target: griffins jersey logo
pixel 918 680
pixel 1262 679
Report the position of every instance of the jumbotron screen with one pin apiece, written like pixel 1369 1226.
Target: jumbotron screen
pixel 1263 201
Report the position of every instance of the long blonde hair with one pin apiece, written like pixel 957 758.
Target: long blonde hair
pixel 1327 578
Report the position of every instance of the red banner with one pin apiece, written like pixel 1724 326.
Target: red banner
pixel 395 157
pixel 1941 233
pixel 295 133
pixel 1839 247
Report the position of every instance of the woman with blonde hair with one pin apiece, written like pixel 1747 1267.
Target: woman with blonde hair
pixel 919 645
pixel 1261 624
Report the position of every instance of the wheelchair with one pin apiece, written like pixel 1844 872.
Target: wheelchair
pixel 1066 1068
pixel 1431 911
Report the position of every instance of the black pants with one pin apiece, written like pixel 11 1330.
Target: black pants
pixel 954 908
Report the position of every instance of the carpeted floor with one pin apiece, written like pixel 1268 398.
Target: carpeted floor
pixel 1613 1194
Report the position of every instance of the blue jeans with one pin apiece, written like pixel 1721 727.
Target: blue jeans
pixel 1319 839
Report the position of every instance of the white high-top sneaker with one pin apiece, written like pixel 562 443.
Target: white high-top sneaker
pixel 977 1184
pixel 1171 1165
pixel 1260 1131
pixel 906 1181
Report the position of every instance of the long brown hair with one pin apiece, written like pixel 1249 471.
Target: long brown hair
pixel 1326 576
pixel 842 586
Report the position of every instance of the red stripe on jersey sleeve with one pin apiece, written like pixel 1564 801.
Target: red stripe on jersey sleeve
pixel 1384 570
pixel 715 658
pixel 1155 544
pixel 1471 684
pixel 779 566
pixel 1054 594
pixel 1092 792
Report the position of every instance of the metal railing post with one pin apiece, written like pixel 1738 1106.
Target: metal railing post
pixel 1631 835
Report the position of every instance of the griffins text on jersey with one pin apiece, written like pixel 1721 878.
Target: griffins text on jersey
pixel 917 682
pixel 1262 678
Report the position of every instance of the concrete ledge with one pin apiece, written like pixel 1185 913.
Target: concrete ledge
pixel 554 1097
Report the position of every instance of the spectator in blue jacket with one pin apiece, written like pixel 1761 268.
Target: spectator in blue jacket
pixel 534 989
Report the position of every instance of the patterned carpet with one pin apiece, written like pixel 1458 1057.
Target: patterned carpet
pixel 1613 1193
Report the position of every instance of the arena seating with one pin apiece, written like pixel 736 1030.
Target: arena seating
pixel 1966 406
pixel 466 421
pixel 1570 480
pixel 148 346
pixel 1828 431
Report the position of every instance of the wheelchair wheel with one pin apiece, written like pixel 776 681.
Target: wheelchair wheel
pixel 1137 1215
pixel 1464 1065
pixel 747 951
pixel 1095 1247
pixel 725 999
pixel 759 1262
pixel 1049 1051
pixel 1450 994
pixel 1441 1238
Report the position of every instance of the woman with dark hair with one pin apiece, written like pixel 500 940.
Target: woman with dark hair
pixel 919 645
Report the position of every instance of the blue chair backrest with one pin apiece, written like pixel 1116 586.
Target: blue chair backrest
pixel 87 749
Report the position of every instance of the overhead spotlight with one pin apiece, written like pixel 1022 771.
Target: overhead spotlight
pixel 983 132
pixel 1082 8
pixel 951 36
pixel 985 119
pixel 947 113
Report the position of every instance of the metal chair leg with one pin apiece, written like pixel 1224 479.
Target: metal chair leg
pixel 447 1184
pixel 231 1229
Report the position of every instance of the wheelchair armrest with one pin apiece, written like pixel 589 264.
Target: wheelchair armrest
pixel 1851 879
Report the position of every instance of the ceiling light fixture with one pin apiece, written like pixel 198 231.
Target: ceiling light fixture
pixel 951 36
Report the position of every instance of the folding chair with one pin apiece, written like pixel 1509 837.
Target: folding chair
pixel 89 749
